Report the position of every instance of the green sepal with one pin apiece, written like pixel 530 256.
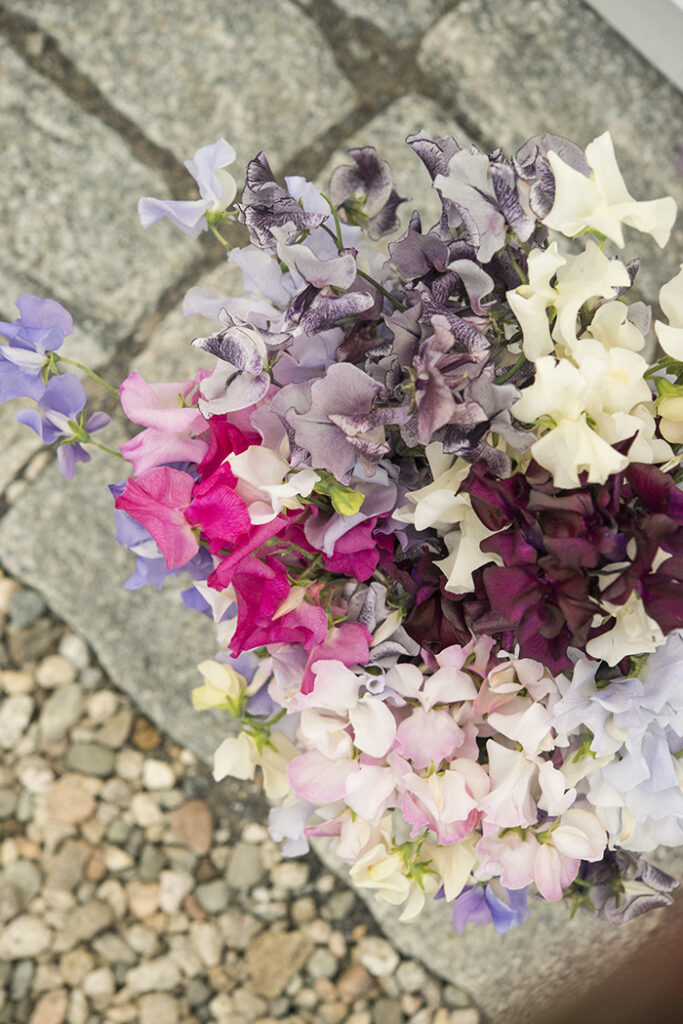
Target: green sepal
pixel 345 501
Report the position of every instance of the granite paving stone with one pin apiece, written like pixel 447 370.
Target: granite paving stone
pixel 68 198
pixel 523 67
pixel 189 73
pixel 398 20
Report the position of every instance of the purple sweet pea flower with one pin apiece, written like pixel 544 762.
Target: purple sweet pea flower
pixel 217 189
pixel 58 408
pixel 490 904
pixel 40 328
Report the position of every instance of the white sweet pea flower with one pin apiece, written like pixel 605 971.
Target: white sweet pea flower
pixel 438 504
pixel 464 550
pixel 239 756
pixel 634 632
pixel 613 329
pixel 602 202
pixel 586 276
pixel 261 482
pixel 670 335
pixel 454 864
pixel 530 301
pixel 384 872
pixel 561 391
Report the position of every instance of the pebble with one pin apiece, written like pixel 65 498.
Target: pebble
pixel 355 983
pixel 87 920
pixel 192 825
pixel 25 877
pixel 207 942
pixel 102 705
pixel 25 936
pixel 274 958
pixel 143 897
pixel 378 956
pixel 25 607
pixel 322 964
pixel 66 868
pixel 78 1008
pixel 410 976
pixel 173 888
pixel 387 1011
pixel 74 650
pixel 90 759
pixel 15 714
pixel 290 874
pixel 212 896
pixel 114 950
pixel 67 801
pixel 16 682
pixel 245 868
pixel 146 810
pixel 145 736
pixel 157 774
pixel 115 732
pixel 129 765
pixel 99 987
pixel 158 1008
pixel 50 1008
pixel 55 670
pixel 61 710
pixel 160 975
pixel 465 1016
pixel 75 964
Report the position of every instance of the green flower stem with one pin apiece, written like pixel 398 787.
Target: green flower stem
pixel 219 236
pixel 91 373
pixel 512 370
pixel 103 447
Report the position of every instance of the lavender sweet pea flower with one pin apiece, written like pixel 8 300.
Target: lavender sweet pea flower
pixel 40 329
pixel 217 189
pixel 490 904
pixel 59 406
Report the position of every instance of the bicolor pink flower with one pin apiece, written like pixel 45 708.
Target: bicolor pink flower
pixel 158 501
pixel 355 552
pixel 428 737
pixel 347 643
pixel 445 802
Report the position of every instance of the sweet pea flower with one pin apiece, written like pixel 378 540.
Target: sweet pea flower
pixel 171 425
pixel 56 417
pixel 634 632
pixel 223 687
pixel 39 329
pixel 670 336
pixel 445 802
pixel 384 872
pixel 266 484
pixel 217 189
pixel 601 202
pixel 492 904
pixel 239 756
pixel 158 501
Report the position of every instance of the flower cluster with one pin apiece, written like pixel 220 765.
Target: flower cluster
pixel 431 502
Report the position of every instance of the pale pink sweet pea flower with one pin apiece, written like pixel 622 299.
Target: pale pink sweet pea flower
pixel 171 427
pixel 510 802
pixel 427 737
pixel 319 779
pixel 445 802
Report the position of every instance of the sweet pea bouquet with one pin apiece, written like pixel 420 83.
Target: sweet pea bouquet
pixel 430 497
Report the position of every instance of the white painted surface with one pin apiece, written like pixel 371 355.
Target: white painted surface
pixel 654 27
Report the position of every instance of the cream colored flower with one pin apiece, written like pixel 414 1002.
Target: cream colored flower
pixel 670 410
pixel 530 301
pixel 602 202
pixel 671 300
pixel 634 632
pixel 223 686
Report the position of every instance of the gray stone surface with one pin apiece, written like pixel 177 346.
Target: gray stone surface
pixel 397 19
pixel 254 71
pixel 387 133
pixel 523 67
pixel 68 198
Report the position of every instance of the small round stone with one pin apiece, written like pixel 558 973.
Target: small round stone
pixel 25 608
pixel 157 774
pixel 74 650
pixel 55 670
pixel 99 987
pixel 410 976
pixel 378 956
pixel 322 964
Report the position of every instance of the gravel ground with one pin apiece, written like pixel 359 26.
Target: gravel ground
pixel 135 889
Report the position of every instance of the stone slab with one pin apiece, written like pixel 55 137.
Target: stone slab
pixel 387 133
pixel 396 19
pixel 522 67
pixel 255 71
pixel 68 204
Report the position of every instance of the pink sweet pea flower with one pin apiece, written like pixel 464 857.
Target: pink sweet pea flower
pixel 218 511
pixel 355 552
pixel 171 428
pixel 318 779
pixel 347 643
pixel 445 802
pixel 260 587
pixel 226 437
pixel 427 737
pixel 158 500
